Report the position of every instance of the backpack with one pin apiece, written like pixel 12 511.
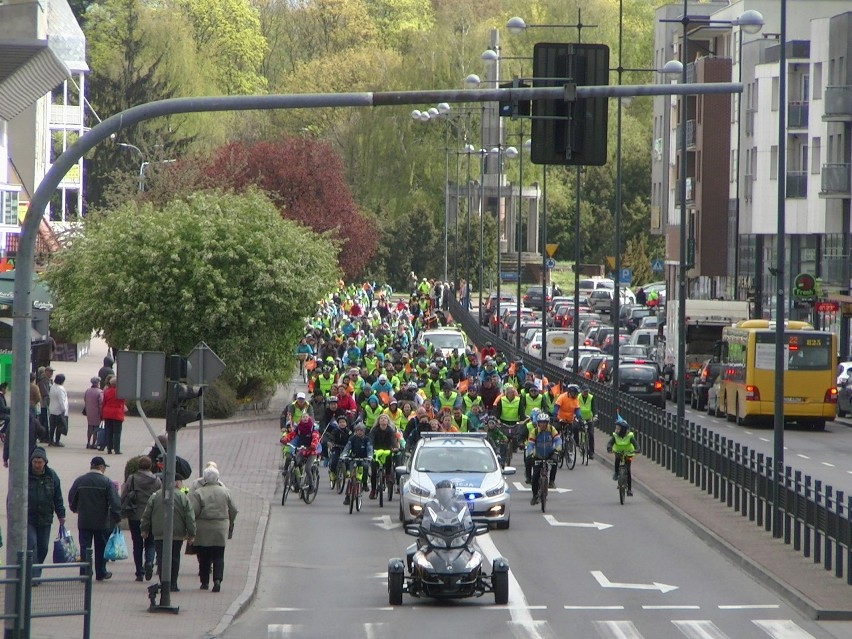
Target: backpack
pixel 128 502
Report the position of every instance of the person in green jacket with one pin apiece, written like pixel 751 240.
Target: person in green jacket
pixel 183 526
pixel 622 443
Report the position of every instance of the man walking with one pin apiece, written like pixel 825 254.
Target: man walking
pixel 95 500
pixel 44 499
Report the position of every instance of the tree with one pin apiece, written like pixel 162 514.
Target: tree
pixel 214 267
pixel 636 258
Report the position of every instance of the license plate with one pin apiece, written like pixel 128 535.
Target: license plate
pixel 793 400
pixel 635 389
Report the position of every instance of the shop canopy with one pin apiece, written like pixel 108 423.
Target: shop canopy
pixel 42 299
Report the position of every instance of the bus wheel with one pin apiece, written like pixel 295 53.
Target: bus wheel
pixel 818 424
pixel 739 420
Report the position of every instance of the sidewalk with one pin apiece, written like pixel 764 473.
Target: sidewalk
pixel 120 605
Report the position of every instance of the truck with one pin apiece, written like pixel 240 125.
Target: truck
pixel 704 322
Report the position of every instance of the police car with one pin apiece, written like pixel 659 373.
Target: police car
pixel 467 460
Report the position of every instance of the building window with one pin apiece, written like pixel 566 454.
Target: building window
pixel 9 207
pixel 775 91
pixel 817 84
pixel 816 155
pixel 773 162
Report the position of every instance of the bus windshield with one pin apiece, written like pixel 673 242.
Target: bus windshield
pixel 803 352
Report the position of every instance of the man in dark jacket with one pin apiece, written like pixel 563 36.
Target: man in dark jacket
pixel 94 498
pixel 135 493
pixel 106 370
pixel 43 501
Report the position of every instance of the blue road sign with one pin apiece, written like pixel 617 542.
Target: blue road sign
pixel 509 276
pixel 550 263
pixel 626 276
pixel 657 265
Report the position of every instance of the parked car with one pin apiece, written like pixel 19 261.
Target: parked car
pixel 506 299
pixel 643 382
pixel 649 321
pixel 568 361
pixel 844 372
pixel 713 397
pixel 607 345
pixel 702 381
pixel 844 398
pixel 644 337
pixel 633 350
pixel 634 317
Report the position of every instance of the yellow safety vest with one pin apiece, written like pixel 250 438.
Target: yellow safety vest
pixel 585 406
pixel 509 411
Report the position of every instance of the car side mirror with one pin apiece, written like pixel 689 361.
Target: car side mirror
pixel 481 529
pixel 400 471
pixel 509 470
pixel 413 530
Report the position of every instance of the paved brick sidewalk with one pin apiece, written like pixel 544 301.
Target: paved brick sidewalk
pixel 246 453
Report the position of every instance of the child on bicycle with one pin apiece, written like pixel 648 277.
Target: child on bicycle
pixel 623 444
pixel 302 441
pixel 542 444
pixel 496 436
pixel 358 446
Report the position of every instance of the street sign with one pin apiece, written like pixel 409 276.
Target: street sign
pixel 827 307
pixel 509 276
pixel 657 265
pixel 551 249
pixel 625 276
pixel 204 365
pixel 550 263
pixel 140 374
pixel 610 259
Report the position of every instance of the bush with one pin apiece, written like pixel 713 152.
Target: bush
pixel 220 400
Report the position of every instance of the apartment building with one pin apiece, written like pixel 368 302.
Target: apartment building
pixel 732 187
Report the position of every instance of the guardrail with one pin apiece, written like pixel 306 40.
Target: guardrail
pixel 817 521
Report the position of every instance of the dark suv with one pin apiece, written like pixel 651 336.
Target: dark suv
pixel 533 298
pixel 643 382
pixel 702 382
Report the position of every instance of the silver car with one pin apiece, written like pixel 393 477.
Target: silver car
pixel 467 460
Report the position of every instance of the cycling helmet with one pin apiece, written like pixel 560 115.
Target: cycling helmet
pixel 621 425
pixel 412 385
pixel 585 388
pixel 445 492
pixel 542 417
pixel 331 399
pixel 373 398
pixel 573 388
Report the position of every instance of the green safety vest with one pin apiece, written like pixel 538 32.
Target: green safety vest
pixel 297 412
pixel 370 415
pixel 623 444
pixel 469 401
pixel 370 363
pixel 585 406
pixel 509 411
pixel 325 383
pixel 531 403
pixel 447 402
pixel 461 426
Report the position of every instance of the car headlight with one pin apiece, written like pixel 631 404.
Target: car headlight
pixel 498 490
pixel 420 560
pixel 419 491
pixel 437 542
pixel 474 561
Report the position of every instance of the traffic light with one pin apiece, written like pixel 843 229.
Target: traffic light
pixel 570 133
pixel 515 108
pixel 177 413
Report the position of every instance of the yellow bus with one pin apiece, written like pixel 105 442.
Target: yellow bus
pixel 747 388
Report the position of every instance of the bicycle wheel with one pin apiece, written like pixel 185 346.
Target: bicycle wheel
pixel 542 485
pixel 311 485
pixel 380 485
pixel 390 488
pixel 622 484
pixel 584 453
pixel 570 452
pixel 340 478
pixel 288 481
pixel 352 491
pixel 358 502
pixel 510 445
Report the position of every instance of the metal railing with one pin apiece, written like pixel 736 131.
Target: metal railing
pixel 816 519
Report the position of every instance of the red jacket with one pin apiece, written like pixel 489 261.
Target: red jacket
pixel 113 408
pixel 315 437
pixel 346 402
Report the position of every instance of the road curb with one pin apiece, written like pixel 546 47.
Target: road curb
pixel 795 598
pixel 247 595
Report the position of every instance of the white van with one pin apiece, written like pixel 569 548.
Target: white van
pixel 558 343
pixel 644 337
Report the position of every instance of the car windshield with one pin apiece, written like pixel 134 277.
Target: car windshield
pixel 446 459
pixel 641 374
pixel 446 340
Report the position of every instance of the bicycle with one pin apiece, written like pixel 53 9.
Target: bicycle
pixel 384 478
pixel 291 480
pixel 542 467
pixel 584 435
pixel 339 472
pixel 569 449
pixel 623 475
pixel 511 433
pixel 354 486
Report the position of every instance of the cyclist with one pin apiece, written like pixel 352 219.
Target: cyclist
pixel 358 446
pixel 586 412
pixel 304 435
pixel 447 398
pixel 541 445
pixel 496 437
pixel 383 438
pixel 371 410
pixel 623 441
pixel 508 410
pixel 293 412
pixel 565 409
pixel 303 351
pixel 335 438
pixel 397 417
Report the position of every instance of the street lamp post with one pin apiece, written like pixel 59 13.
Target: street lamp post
pixel 483 153
pixel 143 163
pixel 501 153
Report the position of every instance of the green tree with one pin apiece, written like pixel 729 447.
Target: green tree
pixel 636 258
pixel 213 267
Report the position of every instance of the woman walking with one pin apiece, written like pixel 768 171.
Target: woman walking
pixel 112 411
pixel 215 513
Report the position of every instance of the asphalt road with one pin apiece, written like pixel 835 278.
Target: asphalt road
pixel 590 568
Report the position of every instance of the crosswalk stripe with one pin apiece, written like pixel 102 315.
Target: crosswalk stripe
pixel 617 630
pixel 282 630
pixel 749 606
pixel 782 629
pixel 374 630
pixel 699 629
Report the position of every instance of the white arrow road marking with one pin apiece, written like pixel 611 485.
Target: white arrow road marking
pixel 526 489
pixel 781 629
pixel 550 519
pixel 523 626
pixel 606 583
pixel 384 521
pixel 699 629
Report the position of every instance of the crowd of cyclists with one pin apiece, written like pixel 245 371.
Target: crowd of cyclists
pixel 373 388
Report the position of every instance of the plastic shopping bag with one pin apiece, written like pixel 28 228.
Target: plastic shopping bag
pixel 116 547
pixel 64 548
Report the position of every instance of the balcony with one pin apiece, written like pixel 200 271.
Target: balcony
pixel 838 104
pixel 690 191
pixel 797 184
pixel 797 115
pixel 691 128
pixel 690 73
pixel 836 181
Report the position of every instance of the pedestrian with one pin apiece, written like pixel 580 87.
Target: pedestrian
pixel 94 498
pixel 112 412
pixel 93 400
pixel 183 527
pixel 106 370
pixel 215 513
pixel 35 396
pixel 45 381
pixel 641 297
pixel 135 493
pixel 58 411
pixel 44 500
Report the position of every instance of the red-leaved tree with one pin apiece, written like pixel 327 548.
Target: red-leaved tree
pixel 304 177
